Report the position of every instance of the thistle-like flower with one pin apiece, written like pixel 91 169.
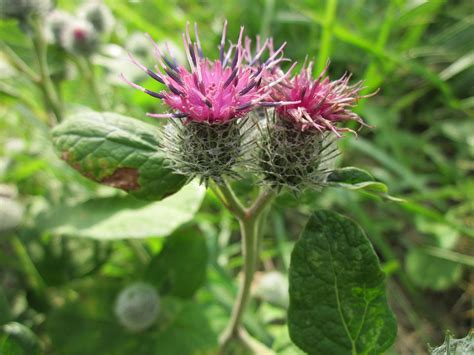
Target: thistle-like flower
pixel 297 146
pixel 209 102
pixel 322 103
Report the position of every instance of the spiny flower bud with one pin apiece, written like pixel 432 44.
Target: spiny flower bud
pixel 80 38
pixel 203 150
pixel 22 9
pixel 137 306
pixel 289 157
pixel 208 100
pixel 297 147
pixel 453 346
pixel 56 23
pixel 98 15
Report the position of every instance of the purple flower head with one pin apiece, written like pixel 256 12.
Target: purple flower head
pixel 322 103
pixel 216 91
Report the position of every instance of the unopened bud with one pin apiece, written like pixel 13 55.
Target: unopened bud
pixel 272 287
pixel 453 346
pixel 137 306
pixel 56 23
pixel 289 157
pixel 11 214
pixel 98 15
pixel 139 45
pixel 80 38
pixel 22 9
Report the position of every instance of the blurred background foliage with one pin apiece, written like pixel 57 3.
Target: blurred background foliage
pixel 418 54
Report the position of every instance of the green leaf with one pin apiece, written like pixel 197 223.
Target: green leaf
pixel 357 179
pixel 338 302
pixel 180 269
pixel 117 151
pixel 124 217
pixel 429 271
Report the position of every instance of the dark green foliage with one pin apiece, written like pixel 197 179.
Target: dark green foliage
pixel 338 303
pixel 180 268
pixel 117 151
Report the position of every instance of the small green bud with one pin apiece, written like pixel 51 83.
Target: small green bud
pixel 272 287
pixel 204 150
pixel 289 157
pixel 56 23
pixel 80 37
pixel 22 9
pixel 139 45
pixel 137 306
pixel 98 15
pixel 11 214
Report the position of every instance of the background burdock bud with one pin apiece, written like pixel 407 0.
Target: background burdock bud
pixel 56 23
pixel 99 15
pixel 22 9
pixel 453 346
pixel 272 287
pixel 209 102
pixel 11 213
pixel 137 306
pixel 289 157
pixel 79 37
pixel 139 45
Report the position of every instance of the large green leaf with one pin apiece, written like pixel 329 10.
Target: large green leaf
pixel 124 217
pixel 357 179
pixel 338 303
pixel 180 269
pixel 117 151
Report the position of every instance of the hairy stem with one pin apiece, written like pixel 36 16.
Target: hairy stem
pixel 250 227
pixel 45 83
pixel 27 265
pixel 249 253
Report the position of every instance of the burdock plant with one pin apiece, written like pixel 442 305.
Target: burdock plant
pixel 240 114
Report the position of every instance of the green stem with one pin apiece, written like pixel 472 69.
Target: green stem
pixel 139 250
pixel 45 83
pixel 230 201
pixel 249 233
pixel 18 63
pixel 28 267
pixel 250 227
pixel 89 71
